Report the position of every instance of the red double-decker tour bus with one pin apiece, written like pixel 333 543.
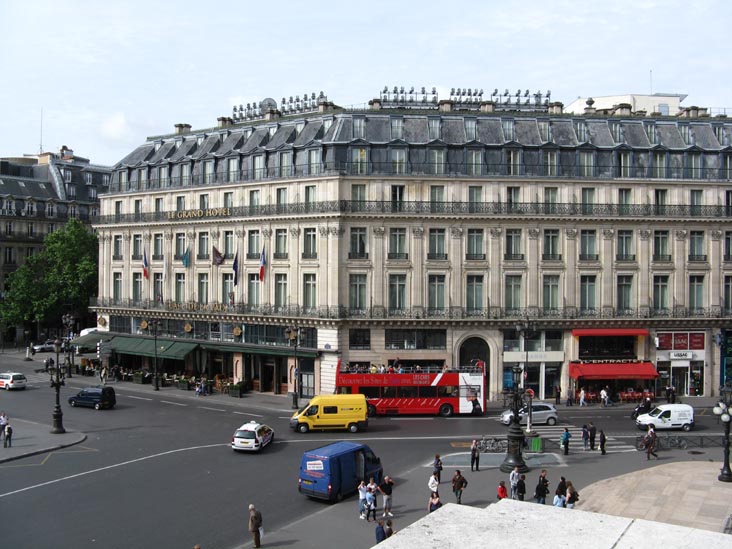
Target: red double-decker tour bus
pixel 419 391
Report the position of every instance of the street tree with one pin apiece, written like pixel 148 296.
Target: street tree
pixel 59 279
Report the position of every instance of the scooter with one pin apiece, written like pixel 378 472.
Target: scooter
pixel 643 408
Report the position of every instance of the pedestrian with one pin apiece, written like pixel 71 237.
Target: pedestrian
pixel 513 479
pixel 561 490
pixel 433 484
pixel 570 399
pixel 603 440
pixel 572 495
pixel 502 493
pixel 593 433
pixel 566 435
pixel 559 500
pixel 386 488
pixel 3 423
pixel 255 525
pixel 650 440
pixel 557 395
pixel 434 502
pixel 8 442
pixel 362 489
pixel 585 437
pixel 521 488
pixel 380 532
pixel 458 485
pixel 370 504
pixel 437 467
pixel 475 456
pixel 582 397
pixel 603 396
pixel 542 488
pixel 389 528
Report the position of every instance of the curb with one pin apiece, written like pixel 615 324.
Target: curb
pixel 44 450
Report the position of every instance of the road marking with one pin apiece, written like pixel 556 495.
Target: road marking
pixel 246 414
pixel 137 398
pixel 130 462
pixel 212 409
pixel 173 403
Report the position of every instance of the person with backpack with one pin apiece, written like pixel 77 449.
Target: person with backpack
pixel 572 495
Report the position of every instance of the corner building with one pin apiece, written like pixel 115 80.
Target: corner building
pixel 592 249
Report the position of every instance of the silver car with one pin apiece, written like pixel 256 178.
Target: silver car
pixel 540 413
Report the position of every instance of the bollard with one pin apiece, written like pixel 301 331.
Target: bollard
pixel 27 353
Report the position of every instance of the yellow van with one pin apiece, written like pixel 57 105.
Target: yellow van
pixel 332 412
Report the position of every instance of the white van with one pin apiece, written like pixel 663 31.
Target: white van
pixel 668 416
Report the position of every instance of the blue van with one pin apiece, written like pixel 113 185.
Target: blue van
pixel 334 471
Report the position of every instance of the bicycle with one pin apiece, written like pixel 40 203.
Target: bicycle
pixel 674 442
pixel 492 444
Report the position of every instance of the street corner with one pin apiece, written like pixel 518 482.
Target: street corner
pixel 30 439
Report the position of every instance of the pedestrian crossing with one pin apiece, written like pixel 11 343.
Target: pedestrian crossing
pixel 553 433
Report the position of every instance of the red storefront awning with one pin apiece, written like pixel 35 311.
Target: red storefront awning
pixel 613 370
pixel 609 332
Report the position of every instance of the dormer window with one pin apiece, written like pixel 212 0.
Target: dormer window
pixel 50 209
pixel 326 125
pixel 105 180
pixel 508 134
pixel 88 178
pixel 71 190
pixel 272 130
pixel 67 175
pixel 358 126
pixel 685 133
pixel 616 132
pixel 397 128
pixel 199 140
pixel 652 134
pixel 470 129
pixel 433 126
pixel 157 145
pixel 544 130
pixel 30 208
pixel 581 129
pixel 299 127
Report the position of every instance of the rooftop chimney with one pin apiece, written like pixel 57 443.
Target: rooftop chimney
pixel 487 106
pixel 224 121
pixel 445 105
pixel 623 109
pixel 180 129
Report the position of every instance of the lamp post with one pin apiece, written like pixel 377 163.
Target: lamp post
pixel 723 409
pixel 68 322
pixel 293 334
pixel 515 433
pixel 153 326
pixel 58 415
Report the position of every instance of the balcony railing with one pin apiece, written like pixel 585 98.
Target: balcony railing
pixel 358 255
pixel 661 257
pixel 697 257
pixel 440 169
pixel 437 257
pixel 397 255
pixel 426 208
pixel 279 255
pixel 589 257
pixel 309 255
pixel 644 313
pixel 551 257
pixel 625 257
pixel 513 257
pixel 474 257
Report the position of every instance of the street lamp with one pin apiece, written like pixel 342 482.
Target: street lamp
pixel 68 322
pixel 58 415
pixel 723 409
pixel 153 326
pixel 515 433
pixel 293 334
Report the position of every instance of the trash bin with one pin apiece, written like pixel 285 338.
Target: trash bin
pixel 536 444
pixel 294 400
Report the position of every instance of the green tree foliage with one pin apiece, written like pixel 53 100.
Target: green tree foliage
pixel 59 279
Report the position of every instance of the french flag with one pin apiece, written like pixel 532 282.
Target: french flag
pixel 262 263
pixel 145 265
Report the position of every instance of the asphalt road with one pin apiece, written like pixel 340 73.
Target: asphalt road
pixel 157 471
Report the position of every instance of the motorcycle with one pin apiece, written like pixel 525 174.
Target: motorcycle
pixel 642 408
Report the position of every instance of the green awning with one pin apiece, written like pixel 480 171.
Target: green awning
pixel 90 339
pixel 255 350
pixel 126 345
pixel 177 350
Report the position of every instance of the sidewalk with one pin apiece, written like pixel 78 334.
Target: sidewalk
pixel 31 438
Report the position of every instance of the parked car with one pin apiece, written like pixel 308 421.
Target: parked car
pixel 45 347
pixel 12 380
pixel 94 397
pixel 540 413
pixel 252 436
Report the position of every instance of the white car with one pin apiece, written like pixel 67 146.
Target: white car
pixel 12 380
pixel 540 413
pixel 252 437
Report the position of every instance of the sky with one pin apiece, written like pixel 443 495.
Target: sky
pixel 100 77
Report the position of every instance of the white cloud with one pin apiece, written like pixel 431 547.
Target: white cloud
pixel 115 128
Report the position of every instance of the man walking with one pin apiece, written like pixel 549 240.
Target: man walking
pixel 513 480
pixel 566 435
pixel 3 423
pixel 603 440
pixel 542 488
pixel 255 525
pixel 593 433
pixel 386 488
pixel 650 443
pixel 8 442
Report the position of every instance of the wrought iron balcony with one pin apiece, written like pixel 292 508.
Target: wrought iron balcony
pixel 625 257
pixel 474 257
pixel 589 257
pixel 397 255
pixel 551 257
pixel 513 257
pixel 437 257
pixel 697 257
pixel 661 257
pixel 358 255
